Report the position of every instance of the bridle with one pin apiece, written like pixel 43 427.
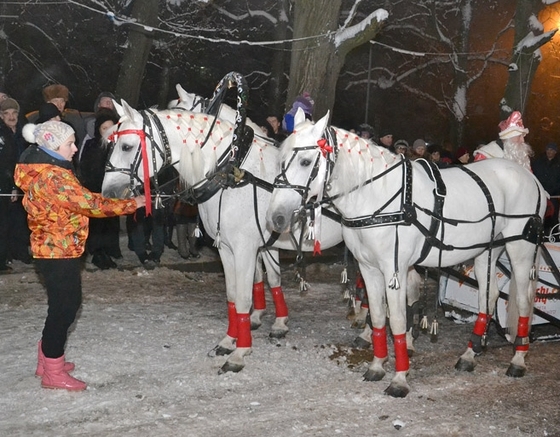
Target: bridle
pixel 141 156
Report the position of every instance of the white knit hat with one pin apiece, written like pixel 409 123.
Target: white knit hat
pixel 51 134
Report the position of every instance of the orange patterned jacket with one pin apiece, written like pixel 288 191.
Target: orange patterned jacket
pixel 58 206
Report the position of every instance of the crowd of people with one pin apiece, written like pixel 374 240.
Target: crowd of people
pixel 146 234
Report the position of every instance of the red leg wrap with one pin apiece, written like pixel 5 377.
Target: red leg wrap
pixel 360 282
pixel 259 301
pixel 279 302
pixel 232 320
pixel 480 326
pixel 244 323
pixel 522 340
pixel 379 341
pixel 401 355
pixel 365 304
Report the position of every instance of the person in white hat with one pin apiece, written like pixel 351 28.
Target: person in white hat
pixel 511 143
pixel 58 209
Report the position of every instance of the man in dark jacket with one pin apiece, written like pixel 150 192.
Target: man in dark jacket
pixel 8 160
pixel 547 170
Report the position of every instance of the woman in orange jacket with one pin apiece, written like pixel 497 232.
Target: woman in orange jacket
pixel 58 209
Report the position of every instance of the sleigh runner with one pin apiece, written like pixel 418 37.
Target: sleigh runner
pixel 458 288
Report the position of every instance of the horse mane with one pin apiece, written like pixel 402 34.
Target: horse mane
pixel 359 160
pixel 194 162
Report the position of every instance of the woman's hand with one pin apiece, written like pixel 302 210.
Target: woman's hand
pixel 140 201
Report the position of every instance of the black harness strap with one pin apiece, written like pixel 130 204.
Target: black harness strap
pixel 440 191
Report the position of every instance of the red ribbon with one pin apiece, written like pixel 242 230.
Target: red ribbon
pixel 324 146
pixel 145 164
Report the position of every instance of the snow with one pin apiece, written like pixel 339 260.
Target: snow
pixel 142 343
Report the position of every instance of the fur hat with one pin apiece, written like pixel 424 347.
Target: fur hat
pixel 55 91
pixel 385 132
pixel 461 151
pixel 512 127
pixel 418 143
pixel 400 143
pixel 552 146
pixel 102 116
pixel 50 135
pixel 9 103
pixel 47 111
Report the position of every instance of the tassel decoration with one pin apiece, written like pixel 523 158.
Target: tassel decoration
pixel 394 283
pixel 217 241
pixel 424 323
pixel 344 276
pixel 533 273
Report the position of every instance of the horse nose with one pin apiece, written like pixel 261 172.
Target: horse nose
pixel 279 222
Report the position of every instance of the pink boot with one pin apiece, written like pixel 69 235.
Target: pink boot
pixel 54 376
pixel 68 367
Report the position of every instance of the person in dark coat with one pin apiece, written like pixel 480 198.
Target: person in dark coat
pixel 103 239
pixel 8 159
pixel 546 168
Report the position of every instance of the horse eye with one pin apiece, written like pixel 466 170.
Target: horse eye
pixel 127 147
pixel 305 162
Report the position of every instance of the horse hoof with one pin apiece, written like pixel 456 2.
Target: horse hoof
pixel 397 391
pixel 230 367
pixel 359 324
pixel 516 371
pixel 255 326
pixel 373 375
pixel 410 352
pixel 360 343
pixel 277 334
pixel 464 365
pixel 219 351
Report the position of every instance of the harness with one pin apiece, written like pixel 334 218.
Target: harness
pixel 407 215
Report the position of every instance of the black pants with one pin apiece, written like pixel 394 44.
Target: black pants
pixel 64 291
pixel 4 228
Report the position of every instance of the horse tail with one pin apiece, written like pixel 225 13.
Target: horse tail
pixel 512 311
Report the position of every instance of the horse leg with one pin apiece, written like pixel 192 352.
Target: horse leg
pixel 466 362
pixel 396 302
pixel 361 303
pixel 227 345
pixel 376 290
pixel 243 301
pixel 521 301
pixel 364 340
pixel 413 283
pixel 271 259
pixel 259 300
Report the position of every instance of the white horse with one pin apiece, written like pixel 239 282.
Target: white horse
pixel 397 213
pixel 268 260
pixel 198 145
pixel 194 103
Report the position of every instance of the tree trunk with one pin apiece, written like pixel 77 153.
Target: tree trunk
pixel 461 81
pixel 136 55
pixel 525 58
pixel 278 82
pixel 317 54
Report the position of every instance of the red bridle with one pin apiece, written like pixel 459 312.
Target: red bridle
pixel 145 164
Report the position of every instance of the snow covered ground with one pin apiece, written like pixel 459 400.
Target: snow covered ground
pixel 142 340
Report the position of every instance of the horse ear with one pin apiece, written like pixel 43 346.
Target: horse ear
pixel 118 108
pixel 130 112
pixel 183 95
pixel 321 125
pixel 299 117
